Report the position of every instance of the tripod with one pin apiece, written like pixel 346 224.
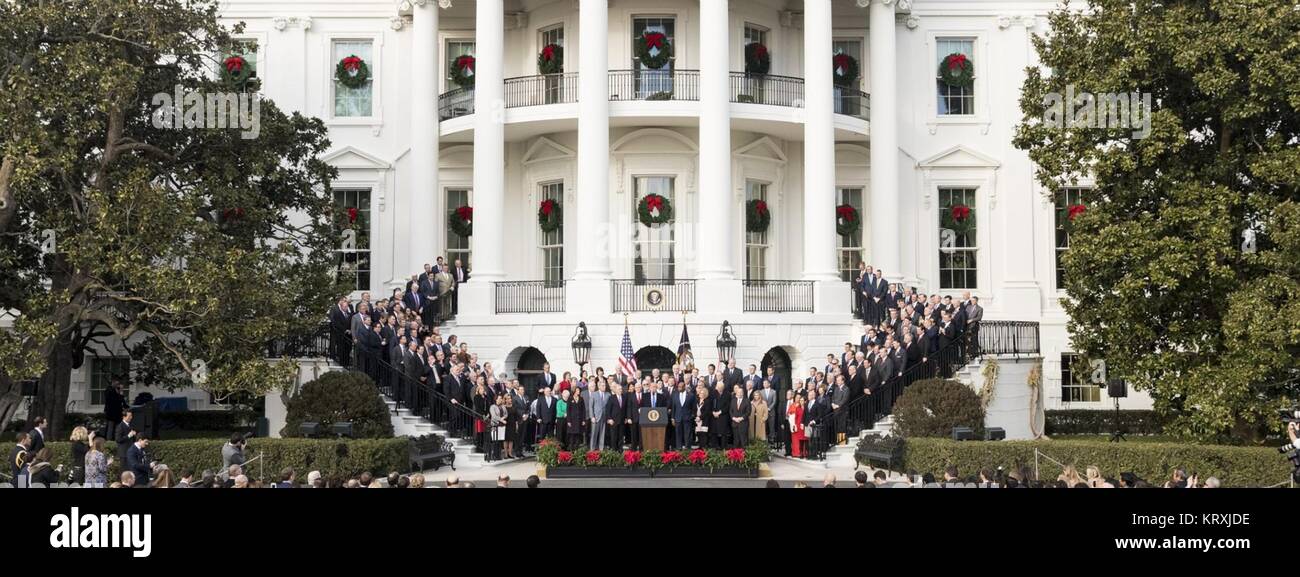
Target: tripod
pixel 1118 434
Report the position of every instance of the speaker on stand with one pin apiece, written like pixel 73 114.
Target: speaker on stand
pixel 1117 389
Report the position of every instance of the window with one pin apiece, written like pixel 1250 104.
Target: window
pixel 1075 387
pixel 1064 200
pixel 456 49
pixel 756 242
pixel 102 372
pixel 652 247
pixel 552 243
pixel 553 86
pixel 353 102
pixel 850 250
pixel 849 101
pixel 957 264
pixel 654 82
pixel 354 259
pixel 754 33
pixel 247 48
pixel 953 100
pixel 457 246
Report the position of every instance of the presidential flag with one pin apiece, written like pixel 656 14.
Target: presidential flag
pixel 627 358
pixel 684 356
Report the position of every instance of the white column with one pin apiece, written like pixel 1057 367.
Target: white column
pixel 423 187
pixel 714 229
pixel 884 140
pixel 489 143
pixel 819 145
pixel 593 226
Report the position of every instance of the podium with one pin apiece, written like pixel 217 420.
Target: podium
pixel 654 423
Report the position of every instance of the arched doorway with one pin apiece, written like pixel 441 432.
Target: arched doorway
pixel 651 358
pixel 529 369
pixel 779 359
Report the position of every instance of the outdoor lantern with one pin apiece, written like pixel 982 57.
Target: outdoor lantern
pixel 581 346
pixel 726 343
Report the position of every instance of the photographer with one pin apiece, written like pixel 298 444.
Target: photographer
pixel 232 453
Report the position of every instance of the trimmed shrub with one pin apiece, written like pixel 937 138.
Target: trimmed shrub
pixel 1102 422
pixel 1155 462
pixel 340 397
pixel 931 408
pixel 334 459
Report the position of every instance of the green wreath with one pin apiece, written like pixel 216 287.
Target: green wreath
pixel 959 218
pixel 236 70
pixel 649 41
pixel 757 216
pixel 847 220
pixel 462 71
pixel 845 70
pixel 957 70
pixel 549 217
pixel 652 204
pixel 758 60
pixel 551 59
pixel 461 221
pixel 352 71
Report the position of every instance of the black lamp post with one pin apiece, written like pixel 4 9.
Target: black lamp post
pixel 581 347
pixel 726 343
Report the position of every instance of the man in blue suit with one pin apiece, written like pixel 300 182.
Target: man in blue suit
pixel 137 461
pixel 682 408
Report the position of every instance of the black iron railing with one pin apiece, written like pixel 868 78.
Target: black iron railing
pixel 1007 338
pixel 542 89
pixel 534 296
pixel 852 102
pixel 456 103
pixel 662 84
pixel 778 296
pixel 630 296
pixel 767 89
pixel 312 345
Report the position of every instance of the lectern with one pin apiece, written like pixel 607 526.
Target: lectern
pixel 653 421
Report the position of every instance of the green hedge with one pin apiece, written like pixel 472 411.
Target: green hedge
pixel 1102 422
pixel 379 456
pixel 1155 462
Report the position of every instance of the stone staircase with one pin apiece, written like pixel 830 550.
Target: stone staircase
pixel 407 424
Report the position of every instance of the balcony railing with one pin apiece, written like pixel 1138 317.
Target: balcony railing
pixel 457 103
pixel 654 85
pixel 634 296
pixel 768 89
pixel 310 345
pixel 778 296
pixel 534 296
pixel 852 102
pixel 541 90
pixel 1008 338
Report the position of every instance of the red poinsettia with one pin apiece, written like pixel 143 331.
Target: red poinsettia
pixel 736 455
pixel 631 457
pixel 654 202
pixel 593 457
pixel 548 206
pixel 845 212
pixel 465 213
pixel 235 64
pixel 957 61
pixel 697 456
pixel 654 40
pixel 760 207
pixel 352 214
pixel 1075 210
pixel 842 61
pixel 547 442
pixel 670 457
pixel 960 212
pixel 465 62
pixel 352 64
pixel 548 52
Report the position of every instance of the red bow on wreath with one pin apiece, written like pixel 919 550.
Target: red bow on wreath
pixel 352 214
pixel 352 64
pixel 654 40
pixel 466 213
pixel 960 212
pixel 465 62
pixel 842 62
pixel 760 51
pixel 654 202
pixel 234 64
pixel 1075 210
pixel 760 207
pixel 957 61
pixel 548 206
pixel 845 212
pixel 548 52
pixel 232 213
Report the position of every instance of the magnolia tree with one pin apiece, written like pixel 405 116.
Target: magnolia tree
pixel 1183 270
pixel 194 244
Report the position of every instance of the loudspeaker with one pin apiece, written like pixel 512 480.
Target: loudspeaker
pixel 29 388
pixel 1116 388
pixel 146 419
pixel 995 434
pixel 344 429
pixel 309 429
pixel 963 434
pixel 263 427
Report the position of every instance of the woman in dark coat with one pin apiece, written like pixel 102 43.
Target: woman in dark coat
pixel 577 428
pixel 480 401
pixel 80 446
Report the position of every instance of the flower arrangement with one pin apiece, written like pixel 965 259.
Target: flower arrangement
pixel 748 458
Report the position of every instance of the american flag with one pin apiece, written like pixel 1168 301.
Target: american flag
pixel 627 360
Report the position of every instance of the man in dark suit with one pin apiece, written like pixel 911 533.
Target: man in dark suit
pixel 123 435
pixel 429 294
pixel 547 378
pixel 428 273
pixel 753 380
pixel 839 395
pixel 137 461
pixel 114 404
pixel 459 275
pixel 947 335
pixel 974 316
pixel 616 408
pixel 855 382
pixel 546 413
pixel 454 386
pixel 19 459
pixel 739 417
pixel 867 288
pixel 37 434
pixel 341 332
pixel 682 410
pixel 720 409
pixel 732 376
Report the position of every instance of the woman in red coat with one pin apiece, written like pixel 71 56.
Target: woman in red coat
pixel 794 415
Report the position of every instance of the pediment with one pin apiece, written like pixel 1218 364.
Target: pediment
pixel 352 157
pixel 544 149
pixel 762 149
pixel 960 157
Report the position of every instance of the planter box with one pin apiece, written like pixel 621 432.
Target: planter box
pixel 685 472
pixel 704 473
pixel 595 472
